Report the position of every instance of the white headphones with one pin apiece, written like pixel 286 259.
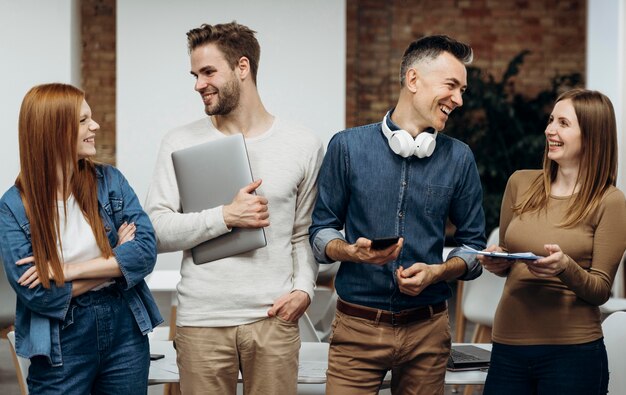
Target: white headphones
pixel 402 143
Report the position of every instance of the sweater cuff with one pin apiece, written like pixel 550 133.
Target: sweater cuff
pixel 306 286
pixel 214 221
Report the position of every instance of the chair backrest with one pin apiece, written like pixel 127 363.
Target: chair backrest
pixel 482 295
pixel 324 325
pixel 494 237
pixel 8 298
pixel 307 330
pixel 21 364
pixel 615 341
pixel 618 290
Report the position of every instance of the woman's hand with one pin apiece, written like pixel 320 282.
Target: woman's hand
pixel 554 264
pixel 30 278
pixel 125 233
pixel 498 266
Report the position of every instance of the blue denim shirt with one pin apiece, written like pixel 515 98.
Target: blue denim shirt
pixel 367 190
pixel 40 312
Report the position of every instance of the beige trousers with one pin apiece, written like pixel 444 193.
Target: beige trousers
pixel 362 351
pixel 266 352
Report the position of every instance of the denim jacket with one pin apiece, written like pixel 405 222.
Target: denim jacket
pixel 40 312
pixel 368 191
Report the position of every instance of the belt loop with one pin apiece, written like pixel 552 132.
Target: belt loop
pixel 378 314
pixel 430 308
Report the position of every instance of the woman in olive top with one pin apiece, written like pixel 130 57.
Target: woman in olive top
pixel 547 337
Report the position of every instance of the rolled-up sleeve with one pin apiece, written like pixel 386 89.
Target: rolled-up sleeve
pixel 332 199
pixel 136 257
pixel 466 213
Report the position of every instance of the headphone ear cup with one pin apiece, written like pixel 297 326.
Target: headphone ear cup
pixel 402 143
pixel 424 145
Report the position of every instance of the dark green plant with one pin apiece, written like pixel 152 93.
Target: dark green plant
pixel 504 128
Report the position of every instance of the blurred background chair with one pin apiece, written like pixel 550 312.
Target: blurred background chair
pixel 7 303
pixel 322 308
pixel 21 364
pixel 477 301
pixel 615 341
pixel 617 301
pixel 307 330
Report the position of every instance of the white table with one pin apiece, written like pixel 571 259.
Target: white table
pixel 312 369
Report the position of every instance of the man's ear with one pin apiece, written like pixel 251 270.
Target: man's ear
pixel 243 68
pixel 411 79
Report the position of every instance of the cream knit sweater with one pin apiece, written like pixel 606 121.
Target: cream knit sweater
pixel 240 289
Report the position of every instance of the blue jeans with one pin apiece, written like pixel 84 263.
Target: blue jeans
pixel 548 370
pixel 102 347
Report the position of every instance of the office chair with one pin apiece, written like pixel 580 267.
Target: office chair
pixel 617 301
pixel 477 301
pixel 7 307
pixel 21 364
pixel 615 341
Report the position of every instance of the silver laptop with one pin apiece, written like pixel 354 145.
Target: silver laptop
pixel 209 175
pixel 467 357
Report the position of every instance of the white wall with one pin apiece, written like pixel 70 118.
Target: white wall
pixel 606 63
pixel 37 45
pixel 301 73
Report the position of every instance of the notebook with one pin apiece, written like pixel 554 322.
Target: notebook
pixel 465 357
pixel 210 175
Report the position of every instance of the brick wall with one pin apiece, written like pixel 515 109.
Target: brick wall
pixel 98 70
pixel 378 32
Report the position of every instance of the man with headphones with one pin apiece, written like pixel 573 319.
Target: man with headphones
pixel 399 178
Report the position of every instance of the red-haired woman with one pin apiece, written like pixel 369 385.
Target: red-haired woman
pixel 76 247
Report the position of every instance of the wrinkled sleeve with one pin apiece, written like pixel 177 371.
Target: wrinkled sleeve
pixel 466 213
pixel 594 285
pixel 136 257
pixel 175 230
pixel 332 199
pixel 15 245
pixel 305 267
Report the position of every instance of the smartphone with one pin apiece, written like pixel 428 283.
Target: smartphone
pixel 154 357
pixel 384 242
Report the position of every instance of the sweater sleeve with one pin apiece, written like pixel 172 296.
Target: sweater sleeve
pixel 304 265
pixel 594 284
pixel 175 230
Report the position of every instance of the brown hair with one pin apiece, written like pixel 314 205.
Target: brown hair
pixel 598 158
pixel 430 47
pixel 234 40
pixel 48 131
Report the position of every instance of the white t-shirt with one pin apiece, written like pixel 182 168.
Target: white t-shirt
pixel 77 239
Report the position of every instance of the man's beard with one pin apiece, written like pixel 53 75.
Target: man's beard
pixel 228 99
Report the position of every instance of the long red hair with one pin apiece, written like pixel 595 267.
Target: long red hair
pixel 48 132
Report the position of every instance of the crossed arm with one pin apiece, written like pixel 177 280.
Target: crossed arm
pixel 86 275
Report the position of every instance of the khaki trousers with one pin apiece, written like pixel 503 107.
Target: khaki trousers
pixel 266 352
pixel 362 351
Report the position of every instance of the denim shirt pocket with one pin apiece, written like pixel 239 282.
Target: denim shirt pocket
pixel 114 209
pixel 26 228
pixel 438 200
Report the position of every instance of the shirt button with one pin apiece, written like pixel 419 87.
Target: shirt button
pixel 400 214
pixel 403 183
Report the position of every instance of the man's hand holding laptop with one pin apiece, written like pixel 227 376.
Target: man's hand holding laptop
pixel 247 209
